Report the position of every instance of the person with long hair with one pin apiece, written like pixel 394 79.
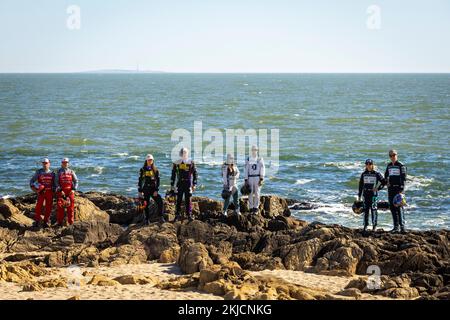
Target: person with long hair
pixel 370 183
pixel 230 176
pixel 148 187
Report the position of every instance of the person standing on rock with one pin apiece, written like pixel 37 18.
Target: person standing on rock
pixel 370 183
pixel 42 183
pixel 230 175
pixel 184 173
pixel 66 182
pixel 254 172
pixel 148 186
pixel 395 176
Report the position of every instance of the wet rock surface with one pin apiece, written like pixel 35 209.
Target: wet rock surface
pixel 415 265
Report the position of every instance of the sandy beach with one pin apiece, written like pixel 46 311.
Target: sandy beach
pixel 159 272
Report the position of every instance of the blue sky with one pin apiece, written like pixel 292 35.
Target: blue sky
pixel 225 36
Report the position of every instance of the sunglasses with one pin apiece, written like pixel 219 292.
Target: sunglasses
pixel 392 155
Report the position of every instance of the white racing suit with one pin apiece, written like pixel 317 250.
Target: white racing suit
pixel 253 173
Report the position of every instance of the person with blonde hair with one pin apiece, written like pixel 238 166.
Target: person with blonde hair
pixel 148 187
pixel 230 176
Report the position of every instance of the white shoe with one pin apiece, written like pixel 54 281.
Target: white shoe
pixel 238 213
pixel 225 214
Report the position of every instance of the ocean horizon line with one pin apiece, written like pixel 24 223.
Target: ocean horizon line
pixel 118 72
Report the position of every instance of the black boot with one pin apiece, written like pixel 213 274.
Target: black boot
pixel 395 229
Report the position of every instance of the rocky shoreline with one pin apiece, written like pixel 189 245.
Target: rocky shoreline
pixel 221 256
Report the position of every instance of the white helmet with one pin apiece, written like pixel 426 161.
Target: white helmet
pixel 230 159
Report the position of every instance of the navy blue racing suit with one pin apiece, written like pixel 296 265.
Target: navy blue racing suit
pixel 395 176
pixel 185 173
pixel 368 181
pixel 149 184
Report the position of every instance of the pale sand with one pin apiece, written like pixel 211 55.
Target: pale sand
pixel 160 271
pixel 332 284
pixel 12 291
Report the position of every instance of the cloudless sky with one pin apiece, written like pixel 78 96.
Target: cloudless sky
pixel 225 36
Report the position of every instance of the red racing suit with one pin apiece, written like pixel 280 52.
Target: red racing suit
pixel 46 179
pixel 66 182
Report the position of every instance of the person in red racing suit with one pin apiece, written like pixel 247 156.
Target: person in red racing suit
pixel 66 182
pixel 42 183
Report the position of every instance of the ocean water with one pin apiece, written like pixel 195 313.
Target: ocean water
pixel 328 125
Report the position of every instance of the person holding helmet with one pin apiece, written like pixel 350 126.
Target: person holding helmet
pixel 148 186
pixel 396 177
pixel 66 182
pixel 230 175
pixel 42 183
pixel 254 172
pixel 184 173
pixel 370 183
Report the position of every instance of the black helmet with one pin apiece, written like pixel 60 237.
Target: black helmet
pixel 369 161
pixel 245 189
pixel 357 207
pixel 171 195
pixel 226 194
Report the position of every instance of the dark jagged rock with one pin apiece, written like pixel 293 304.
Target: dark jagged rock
pixel 85 210
pixel 301 206
pixel 11 217
pixel 193 257
pixel 89 232
pixel 121 210
pixel 412 265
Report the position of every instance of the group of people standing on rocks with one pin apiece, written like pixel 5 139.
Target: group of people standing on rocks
pixel 47 184
pixel 183 182
pixel 372 181
pixel 63 183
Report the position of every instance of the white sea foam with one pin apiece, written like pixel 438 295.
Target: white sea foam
pixel 120 154
pixel 134 157
pixel 99 170
pixel 417 182
pixel 345 165
pixel 331 208
pixel 304 181
pixel 211 163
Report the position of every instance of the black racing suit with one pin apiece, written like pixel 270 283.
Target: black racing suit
pixel 368 181
pixel 185 174
pixel 395 176
pixel 149 184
